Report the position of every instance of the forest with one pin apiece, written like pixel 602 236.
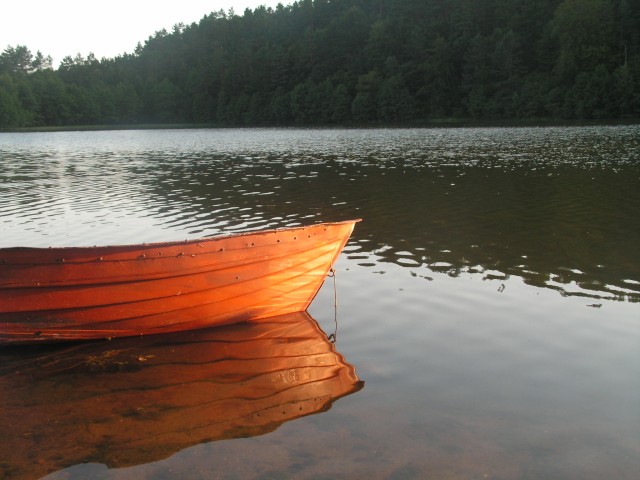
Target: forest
pixel 347 62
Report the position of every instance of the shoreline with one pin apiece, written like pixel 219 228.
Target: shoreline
pixel 433 123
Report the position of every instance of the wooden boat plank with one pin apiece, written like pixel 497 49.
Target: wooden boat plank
pixel 196 316
pixel 51 298
pixel 78 270
pixel 298 281
pixel 228 243
pixel 42 275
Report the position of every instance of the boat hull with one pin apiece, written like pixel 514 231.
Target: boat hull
pixel 82 293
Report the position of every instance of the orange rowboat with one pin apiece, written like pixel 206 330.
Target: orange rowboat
pixel 81 293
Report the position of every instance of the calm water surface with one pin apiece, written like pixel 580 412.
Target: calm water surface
pixel 489 299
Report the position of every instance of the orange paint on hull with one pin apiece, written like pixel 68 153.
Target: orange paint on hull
pixel 81 293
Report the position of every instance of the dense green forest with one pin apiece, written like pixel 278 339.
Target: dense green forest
pixel 322 62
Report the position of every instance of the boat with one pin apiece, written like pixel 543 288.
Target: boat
pixel 137 400
pixel 88 293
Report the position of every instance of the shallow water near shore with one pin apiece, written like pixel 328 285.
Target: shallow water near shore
pixel 489 300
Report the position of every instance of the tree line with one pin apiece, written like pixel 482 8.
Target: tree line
pixel 323 62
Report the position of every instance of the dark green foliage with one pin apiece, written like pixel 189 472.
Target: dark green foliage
pixel 321 62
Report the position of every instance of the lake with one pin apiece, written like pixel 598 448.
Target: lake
pixel 489 301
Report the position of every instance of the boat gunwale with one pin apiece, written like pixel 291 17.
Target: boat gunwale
pixel 172 243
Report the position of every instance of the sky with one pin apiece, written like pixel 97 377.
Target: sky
pixel 105 28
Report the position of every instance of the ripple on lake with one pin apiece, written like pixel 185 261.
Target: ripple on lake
pixel 489 298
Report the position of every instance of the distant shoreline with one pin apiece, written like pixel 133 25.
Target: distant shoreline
pixel 434 123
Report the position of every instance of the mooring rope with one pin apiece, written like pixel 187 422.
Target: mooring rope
pixel 333 337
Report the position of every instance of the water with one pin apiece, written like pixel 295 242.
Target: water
pixel 489 299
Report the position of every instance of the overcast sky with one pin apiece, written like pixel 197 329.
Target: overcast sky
pixel 105 27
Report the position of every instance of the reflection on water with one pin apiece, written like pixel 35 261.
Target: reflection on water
pixel 556 227
pixel 134 401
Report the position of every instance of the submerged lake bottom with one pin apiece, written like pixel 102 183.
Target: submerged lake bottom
pixel 486 326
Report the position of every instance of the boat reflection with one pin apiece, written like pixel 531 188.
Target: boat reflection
pixel 137 400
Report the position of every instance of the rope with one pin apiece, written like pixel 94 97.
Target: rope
pixel 334 336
